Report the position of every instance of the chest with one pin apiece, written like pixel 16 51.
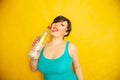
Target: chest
pixel 54 52
pixel 60 65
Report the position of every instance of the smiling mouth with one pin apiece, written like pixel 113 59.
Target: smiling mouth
pixel 54 29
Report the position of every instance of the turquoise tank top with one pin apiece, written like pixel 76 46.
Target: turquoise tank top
pixel 57 69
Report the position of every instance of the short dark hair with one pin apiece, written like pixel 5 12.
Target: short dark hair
pixel 62 19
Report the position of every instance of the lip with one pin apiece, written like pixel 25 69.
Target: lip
pixel 54 29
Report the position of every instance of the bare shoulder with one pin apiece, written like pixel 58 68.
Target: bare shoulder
pixel 72 46
pixel 73 49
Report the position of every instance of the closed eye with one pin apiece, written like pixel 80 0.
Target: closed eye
pixel 62 25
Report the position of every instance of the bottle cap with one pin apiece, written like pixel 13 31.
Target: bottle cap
pixel 49 27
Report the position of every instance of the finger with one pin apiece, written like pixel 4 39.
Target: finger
pixel 35 42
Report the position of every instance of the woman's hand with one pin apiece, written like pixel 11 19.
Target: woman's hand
pixel 34 48
pixel 36 41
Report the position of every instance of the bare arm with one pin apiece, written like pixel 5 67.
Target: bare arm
pixel 76 64
pixel 33 64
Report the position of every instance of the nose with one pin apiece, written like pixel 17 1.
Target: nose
pixel 56 24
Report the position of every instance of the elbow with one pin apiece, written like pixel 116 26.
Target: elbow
pixel 33 68
pixel 33 65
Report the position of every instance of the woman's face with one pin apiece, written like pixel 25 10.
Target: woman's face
pixel 59 29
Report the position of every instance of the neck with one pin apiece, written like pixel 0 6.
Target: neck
pixel 57 40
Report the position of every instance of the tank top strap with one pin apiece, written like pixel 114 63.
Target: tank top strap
pixel 67 48
pixel 67 54
pixel 67 45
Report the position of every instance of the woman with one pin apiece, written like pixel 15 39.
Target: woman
pixel 58 56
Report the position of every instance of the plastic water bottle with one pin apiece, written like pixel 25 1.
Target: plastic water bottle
pixel 37 48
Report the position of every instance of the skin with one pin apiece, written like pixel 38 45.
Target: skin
pixel 55 48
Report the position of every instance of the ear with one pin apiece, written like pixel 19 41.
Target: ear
pixel 65 33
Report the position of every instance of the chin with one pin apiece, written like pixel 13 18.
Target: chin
pixel 53 35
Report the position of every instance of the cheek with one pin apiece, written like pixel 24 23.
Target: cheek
pixel 62 32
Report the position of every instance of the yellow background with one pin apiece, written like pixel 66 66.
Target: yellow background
pixel 95 31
